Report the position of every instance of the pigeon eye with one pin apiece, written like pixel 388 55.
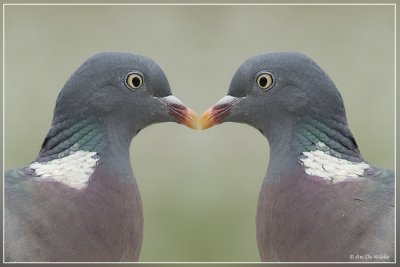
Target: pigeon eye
pixel 134 81
pixel 265 81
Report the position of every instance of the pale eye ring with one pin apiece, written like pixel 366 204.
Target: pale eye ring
pixel 265 81
pixel 134 81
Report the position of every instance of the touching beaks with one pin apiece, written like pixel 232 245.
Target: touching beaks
pixel 211 117
pixel 216 113
pixel 191 119
pixel 182 113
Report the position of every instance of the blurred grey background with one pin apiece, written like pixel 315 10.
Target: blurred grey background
pixel 199 189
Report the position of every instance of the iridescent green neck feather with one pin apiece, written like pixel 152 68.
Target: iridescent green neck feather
pixel 330 136
pixel 68 136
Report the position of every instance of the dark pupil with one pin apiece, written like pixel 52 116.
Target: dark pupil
pixel 263 81
pixel 136 81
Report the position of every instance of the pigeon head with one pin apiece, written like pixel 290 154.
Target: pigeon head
pixel 129 90
pixel 114 94
pixel 269 87
pixel 285 95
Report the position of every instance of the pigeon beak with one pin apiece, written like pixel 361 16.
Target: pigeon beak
pixel 190 119
pixel 178 110
pixel 208 120
pixel 216 113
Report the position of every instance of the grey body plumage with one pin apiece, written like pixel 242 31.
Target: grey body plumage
pixel 80 200
pixel 319 201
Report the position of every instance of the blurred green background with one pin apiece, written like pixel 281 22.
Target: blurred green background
pixel 199 189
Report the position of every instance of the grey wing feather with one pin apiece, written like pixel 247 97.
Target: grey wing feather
pixel 16 237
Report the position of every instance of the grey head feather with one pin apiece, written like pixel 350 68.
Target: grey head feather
pixel 96 106
pixel 98 89
pixel 300 88
pixel 301 97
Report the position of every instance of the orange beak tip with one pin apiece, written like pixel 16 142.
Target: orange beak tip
pixel 207 120
pixel 191 120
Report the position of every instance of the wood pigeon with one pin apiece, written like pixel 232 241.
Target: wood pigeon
pixel 79 201
pixel 320 200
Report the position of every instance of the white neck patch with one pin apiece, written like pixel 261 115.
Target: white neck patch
pixel 332 169
pixel 73 170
